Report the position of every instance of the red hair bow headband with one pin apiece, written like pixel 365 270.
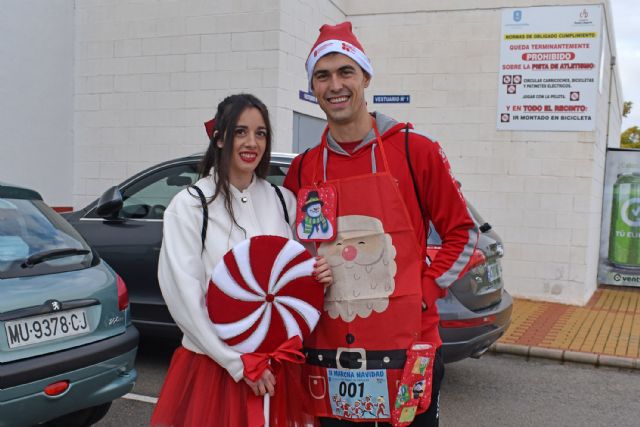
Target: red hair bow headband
pixel 209 127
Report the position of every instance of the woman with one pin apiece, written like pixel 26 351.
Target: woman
pixel 205 385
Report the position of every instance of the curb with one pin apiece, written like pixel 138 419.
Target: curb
pixel 566 355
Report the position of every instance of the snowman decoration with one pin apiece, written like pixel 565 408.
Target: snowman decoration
pixel 314 225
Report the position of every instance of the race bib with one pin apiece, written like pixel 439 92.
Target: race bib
pixel 359 394
pixel 316 214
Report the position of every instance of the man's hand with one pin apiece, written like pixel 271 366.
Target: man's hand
pixel 322 272
pixel 265 384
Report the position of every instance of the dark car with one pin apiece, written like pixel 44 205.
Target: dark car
pixel 125 226
pixel 67 345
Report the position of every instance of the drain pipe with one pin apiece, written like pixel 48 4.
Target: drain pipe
pixel 611 66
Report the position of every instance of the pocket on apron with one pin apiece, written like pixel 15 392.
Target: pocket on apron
pixel 414 390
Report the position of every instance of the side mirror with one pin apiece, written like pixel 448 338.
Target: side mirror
pixel 485 227
pixel 110 203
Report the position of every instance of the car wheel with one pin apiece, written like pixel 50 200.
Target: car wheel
pixel 83 418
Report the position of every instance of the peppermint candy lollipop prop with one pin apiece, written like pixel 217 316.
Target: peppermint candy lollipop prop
pixel 263 300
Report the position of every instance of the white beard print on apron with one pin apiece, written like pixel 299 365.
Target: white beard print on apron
pixel 362 259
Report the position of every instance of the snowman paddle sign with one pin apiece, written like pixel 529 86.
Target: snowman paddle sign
pixel 316 214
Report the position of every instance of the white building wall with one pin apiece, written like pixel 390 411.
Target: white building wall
pixel 542 191
pixel 36 106
pixel 149 74
pixel 300 20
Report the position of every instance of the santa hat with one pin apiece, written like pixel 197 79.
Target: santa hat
pixel 337 38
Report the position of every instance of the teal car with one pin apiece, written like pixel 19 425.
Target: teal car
pixel 67 345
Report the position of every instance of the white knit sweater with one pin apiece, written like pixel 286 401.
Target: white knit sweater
pixel 183 271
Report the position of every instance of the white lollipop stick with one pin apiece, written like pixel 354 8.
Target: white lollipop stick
pixel 265 409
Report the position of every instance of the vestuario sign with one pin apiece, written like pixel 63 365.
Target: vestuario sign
pixel 549 68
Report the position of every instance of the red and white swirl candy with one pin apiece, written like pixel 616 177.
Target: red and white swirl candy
pixel 262 293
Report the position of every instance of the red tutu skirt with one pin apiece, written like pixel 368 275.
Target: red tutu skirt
pixel 198 392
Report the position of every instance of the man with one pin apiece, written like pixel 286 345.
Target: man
pixel 391 181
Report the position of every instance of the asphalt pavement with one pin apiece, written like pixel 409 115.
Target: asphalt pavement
pixel 495 390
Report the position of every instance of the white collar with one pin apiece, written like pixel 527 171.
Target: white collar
pixel 236 192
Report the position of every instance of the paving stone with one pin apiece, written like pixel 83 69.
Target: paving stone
pixel 580 357
pixel 617 362
pixel 546 353
pixel 605 331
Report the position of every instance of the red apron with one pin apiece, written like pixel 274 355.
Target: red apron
pixel 372 312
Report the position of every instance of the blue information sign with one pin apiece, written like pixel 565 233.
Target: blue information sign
pixel 307 96
pixel 391 99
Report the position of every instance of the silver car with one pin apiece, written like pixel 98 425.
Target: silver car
pixel 476 310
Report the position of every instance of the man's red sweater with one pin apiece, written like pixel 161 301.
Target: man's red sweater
pixel 440 197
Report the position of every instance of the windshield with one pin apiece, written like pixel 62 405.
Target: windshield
pixel 30 227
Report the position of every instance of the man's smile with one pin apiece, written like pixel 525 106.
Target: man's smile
pixel 338 99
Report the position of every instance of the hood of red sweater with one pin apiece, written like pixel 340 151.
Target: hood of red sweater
pixel 386 126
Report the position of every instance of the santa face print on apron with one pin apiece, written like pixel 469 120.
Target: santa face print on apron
pixel 371 317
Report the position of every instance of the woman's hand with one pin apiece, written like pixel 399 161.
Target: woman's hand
pixel 322 272
pixel 265 384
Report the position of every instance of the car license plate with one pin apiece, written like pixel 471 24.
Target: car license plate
pixel 494 272
pixel 32 330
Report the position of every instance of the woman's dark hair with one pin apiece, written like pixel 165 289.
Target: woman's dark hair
pixel 217 159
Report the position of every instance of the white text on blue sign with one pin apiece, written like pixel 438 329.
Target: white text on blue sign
pixel 306 96
pixel 391 99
